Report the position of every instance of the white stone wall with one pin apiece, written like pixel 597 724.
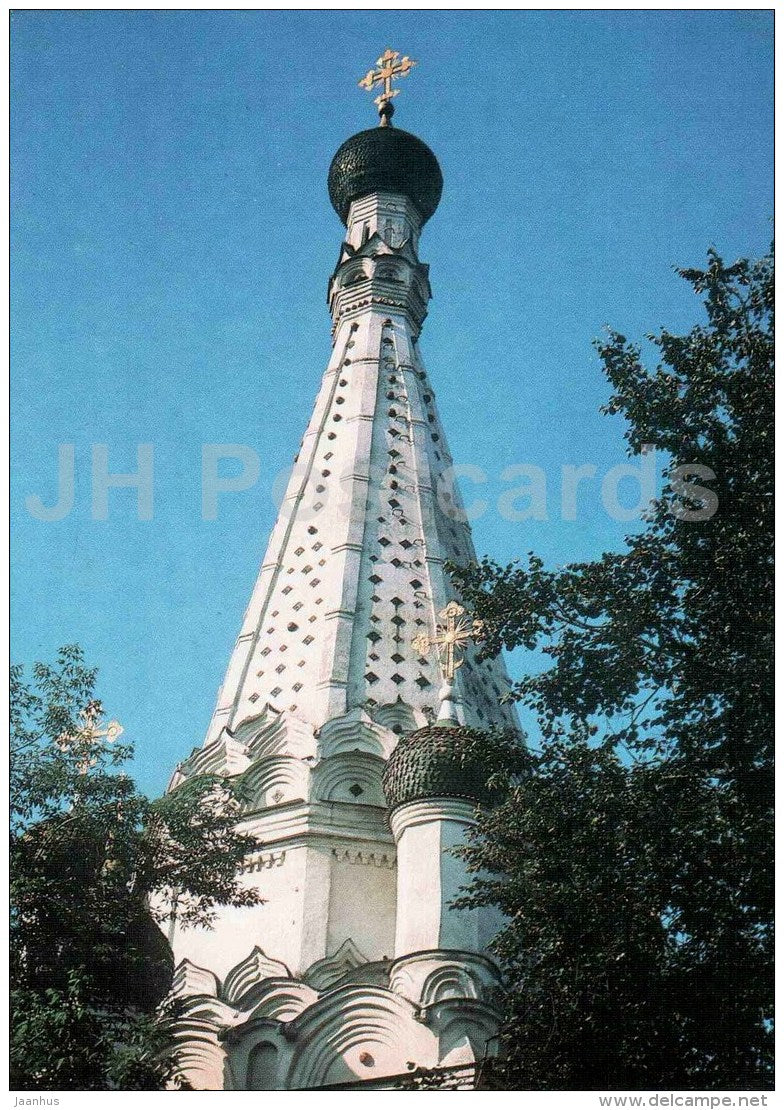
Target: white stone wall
pixel 276 926
pixel 320 891
pixel 431 876
pixel 362 901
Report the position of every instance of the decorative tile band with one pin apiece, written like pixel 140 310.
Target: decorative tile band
pixel 261 860
pixel 369 859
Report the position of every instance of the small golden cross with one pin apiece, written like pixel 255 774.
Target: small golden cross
pixel 91 716
pixel 450 638
pixel 90 733
pixel 389 70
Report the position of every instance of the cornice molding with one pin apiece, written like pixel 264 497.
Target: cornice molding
pixel 423 812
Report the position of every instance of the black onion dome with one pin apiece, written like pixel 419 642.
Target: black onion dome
pixel 385 160
pixel 439 762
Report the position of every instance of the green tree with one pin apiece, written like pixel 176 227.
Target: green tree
pixel 94 869
pixel 634 856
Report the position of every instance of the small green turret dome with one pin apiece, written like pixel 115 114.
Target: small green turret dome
pixel 439 762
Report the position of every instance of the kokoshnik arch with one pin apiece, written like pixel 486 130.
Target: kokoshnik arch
pixel 339 714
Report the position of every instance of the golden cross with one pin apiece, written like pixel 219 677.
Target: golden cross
pixel 91 716
pixel 389 70
pixel 90 733
pixel 450 638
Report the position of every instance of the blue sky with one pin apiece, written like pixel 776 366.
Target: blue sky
pixel 172 239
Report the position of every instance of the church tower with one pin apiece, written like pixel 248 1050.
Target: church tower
pixel 355 969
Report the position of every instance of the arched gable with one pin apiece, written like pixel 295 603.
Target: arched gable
pixel 357 1033
pixel 275 780
pixel 355 731
pixel 254 969
pixel 350 777
pixel 274 733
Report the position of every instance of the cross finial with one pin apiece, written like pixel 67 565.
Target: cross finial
pixel 389 70
pixel 89 733
pixel 450 638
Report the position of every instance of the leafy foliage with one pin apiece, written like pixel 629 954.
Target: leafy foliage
pixel 634 860
pixel 92 861
pixel 62 1040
